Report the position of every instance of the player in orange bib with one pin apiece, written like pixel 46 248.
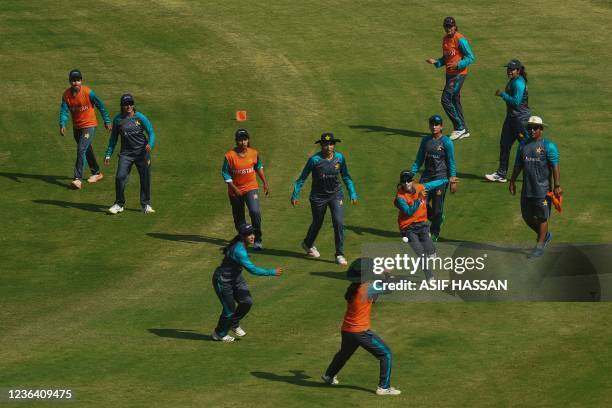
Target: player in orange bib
pixel 79 102
pixel 456 56
pixel 355 331
pixel 240 169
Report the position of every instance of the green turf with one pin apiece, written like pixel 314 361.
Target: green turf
pixel 120 308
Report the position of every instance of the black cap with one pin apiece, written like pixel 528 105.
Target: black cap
pixel 361 270
pixel 245 229
pixel 449 22
pixel 126 99
pixel 75 74
pixel 241 134
pixel 406 176
pixel 328 137
pixel 435 120
pixel 514 64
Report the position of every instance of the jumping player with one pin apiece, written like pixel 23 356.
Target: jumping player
pixel 355 331
pixel 230 286
pixel 239 169
pixel 437 154
pixel 327 167
pixel 137 141
pixel 538 158
pixel 80 100
pixel 517 115
pixel 456 56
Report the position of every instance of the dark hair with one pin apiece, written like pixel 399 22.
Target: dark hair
pixel 351 290
pixel 225 249
pixel 523 73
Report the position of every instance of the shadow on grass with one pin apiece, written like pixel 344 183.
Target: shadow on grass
pixel 80 206
pixel 372 231
pixel 180 334
pixel 341 275
pixel 301 379
pixel 388 131
pixel 188 238
pixel 291 254
pixel 16 177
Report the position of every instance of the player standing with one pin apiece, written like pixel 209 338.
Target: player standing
pixel 538 158
pixel 230 286
pixel 517 115
pixel 137 141
pixel 240 167
pixel 437 155
pixel 456 56
pixel 327 167
pixel 80 100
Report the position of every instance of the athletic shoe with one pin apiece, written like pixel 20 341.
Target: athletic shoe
pixel 341 260
pixel 147 209
pixel 537 252
pixel 258 245
pixel 94 178
pixel 76 184
pixel 312 252
pixel 115 209
pixel 495 177
pixel 226 339
pixel 432 256
pixel 387 391
pixel 548 238
pixel 459 134
pixel 435 237
pixel 239 332
pixel 464 134
pixel 330 380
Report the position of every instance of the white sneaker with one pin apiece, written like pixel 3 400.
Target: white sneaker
pixel 456 134
pixel 312 252
pixel 340 260
pixel 239 332
pixel 94 178
pixel 387 391
pixel 76 184
pixel 226 339
pixel 330 380
pixel 464 134
pixel 147 209
pixel 495 177
pixel 258 245
pixel 115 209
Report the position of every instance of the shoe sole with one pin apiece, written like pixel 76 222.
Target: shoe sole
pixel 116 212
pixel 94 181
pixel 464 136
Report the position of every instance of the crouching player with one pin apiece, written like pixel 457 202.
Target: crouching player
pixel 231 287
pixel 411 201
pixel 356 328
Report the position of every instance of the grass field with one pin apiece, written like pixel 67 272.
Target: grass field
pixel 120 308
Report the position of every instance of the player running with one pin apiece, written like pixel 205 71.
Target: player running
pixel 137 141
pixel 230 286
pixel 456 56
pixel 356 331
pixel 517 115
pixel 240 167
pixel 327 167
pixel 538 158
pixel 437 154
pixel 80 100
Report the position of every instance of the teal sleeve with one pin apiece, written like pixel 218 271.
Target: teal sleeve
pixel 517 90
pixel 148 128
pixel 112 141
pixel 430 185
pixel 225 171
pixel 259 164
pixel 450 157
pixel 468 56
pixel 100 105
pixel 240 256
pixel 552 154
pixel 346 177
pixel 297 186
pixel 63 114
pixel 439 62
pixel 420 157
pixel 406 208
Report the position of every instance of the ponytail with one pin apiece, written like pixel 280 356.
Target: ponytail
pixel 523 73
pixel 351 290
pixel 226 249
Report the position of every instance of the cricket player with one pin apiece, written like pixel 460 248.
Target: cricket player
pixel 456 56
pixel 327 167
pixel 437 155
pixel 137 141
pixel 80 100
pixel 538 159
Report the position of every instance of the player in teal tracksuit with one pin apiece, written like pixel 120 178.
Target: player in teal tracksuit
pixel 437 156
pixel 230 286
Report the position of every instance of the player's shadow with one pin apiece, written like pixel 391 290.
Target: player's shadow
pixel 331 275
pixel 180 334
pixel 56 180
pixel 291 254
pixel 188 238
pixel 299 378
pixel 79 206
pixel 388 131
pixel 372 231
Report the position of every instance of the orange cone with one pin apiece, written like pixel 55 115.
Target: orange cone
pixel 241 116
